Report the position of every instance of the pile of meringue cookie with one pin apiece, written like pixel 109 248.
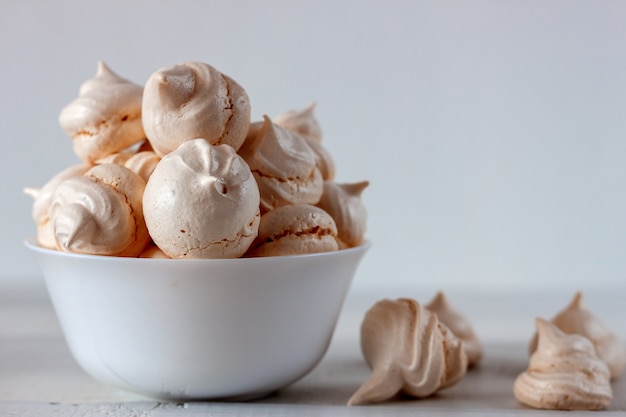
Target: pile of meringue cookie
pixel 176 169
pixel 418 350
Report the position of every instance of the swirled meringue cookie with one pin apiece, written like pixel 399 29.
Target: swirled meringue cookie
pixel 41 205
pixel 305 124
pixel 100 213
pixel 575 318
pixel 343 202
pixel 293 230
pixel 302 122
pixel 202 201
pixel 194 100
pixel 106 116
pixel 459 325
pixel 284 166
pixel 409 350
pixel 564 373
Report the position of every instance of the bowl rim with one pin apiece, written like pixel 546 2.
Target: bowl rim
pixel 31 244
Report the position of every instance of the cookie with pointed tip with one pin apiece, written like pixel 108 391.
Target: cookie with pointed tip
pixel 100 212
pixel 459 325
pixel 202 201
pixel 294 230
pixel 41 204
pixel 194 100
pixel 575 318
pixel 564 373
pixel 105 117
pixel 343 202
pixel 409 350
pixel 283 165
pixel 302 122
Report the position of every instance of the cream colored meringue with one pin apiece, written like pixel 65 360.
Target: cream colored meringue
pixel 41 205
pixel 323 160
pixel 106 116
pixel 141 163
pixel 459 325
pixel 153 251
pixel 343 202
pixel 194 100
pixel 284 166
pixel 564 373
pixel 302 122
pixel 100 213
pixel 202 201
pixel 575 318
pixel 409 350
pixel 294 229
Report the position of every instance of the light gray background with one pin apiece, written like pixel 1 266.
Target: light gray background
pixel 493 132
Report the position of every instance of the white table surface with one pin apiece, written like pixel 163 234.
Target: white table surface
pixel 38 376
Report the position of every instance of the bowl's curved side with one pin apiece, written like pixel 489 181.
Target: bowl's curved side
pixel 193 330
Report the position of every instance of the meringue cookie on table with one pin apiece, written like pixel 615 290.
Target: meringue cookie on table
pixel 41 205
pixel 409 350
pixel 284 166
pixel 100 213
pixel 459 325
pixel 343 202
pixel 575 318
pixel 106 116
pixel 293 230
pixel 202 201
pixel 564 373
pixel 194 100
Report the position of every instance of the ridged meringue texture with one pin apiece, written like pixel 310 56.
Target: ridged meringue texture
pixel 302 122
pixel 575 318
pixel 42 200
pixel 284 166
pixel 100 213
pixel 343 202
pixel 564 373
pixel 294 230
pixel 459 325
pixel 202 201
pixel 409 350
pixel 194 100
pixel 105 117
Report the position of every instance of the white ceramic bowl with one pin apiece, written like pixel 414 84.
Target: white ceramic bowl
pixel 198 329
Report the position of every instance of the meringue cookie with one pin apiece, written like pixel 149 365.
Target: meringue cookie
pixel 294 229
pixel 575 318
pixel 564 373
pixel 41 205
pixel 302 122
pixel 343 202
pixel 202 201
pixel 141 163
pixel 306 125
pixel 106 116
pixel 194 100
pixel 459 326
pixel 409 351
pixel 100 213
pixel 153 251
pixel 284 166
